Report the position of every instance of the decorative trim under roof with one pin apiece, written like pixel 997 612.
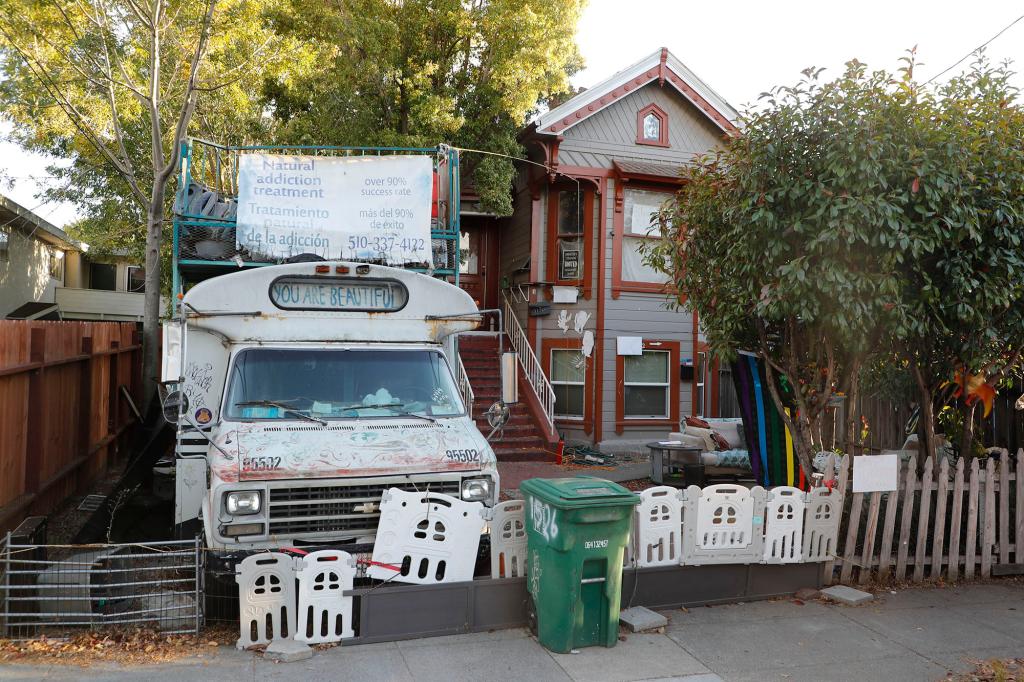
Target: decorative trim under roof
pixel 662 66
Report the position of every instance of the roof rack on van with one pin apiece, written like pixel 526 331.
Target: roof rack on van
pixel 204 242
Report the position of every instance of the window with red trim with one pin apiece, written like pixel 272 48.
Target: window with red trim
pixel 640 221
pixel 570 225
pixel 570 374
pixel 652 126
pixel 648 386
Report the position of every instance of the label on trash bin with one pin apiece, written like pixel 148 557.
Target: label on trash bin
pixel 595 544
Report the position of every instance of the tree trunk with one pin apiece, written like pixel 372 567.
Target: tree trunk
pixel 967 436
pixel 850 443
pixel 926 420
pixel 151 308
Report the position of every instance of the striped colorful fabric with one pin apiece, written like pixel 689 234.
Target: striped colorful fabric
pixel 772 456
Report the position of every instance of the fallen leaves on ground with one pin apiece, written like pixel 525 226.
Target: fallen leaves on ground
pixel 123 646
pixel 994 670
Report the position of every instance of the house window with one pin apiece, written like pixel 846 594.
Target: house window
pixel 136 279
pixel 56 264
pixel 5 246
pixel 568 372
pixel 570 215
pixel 652 126
pixel 647 385
pixel 700 381
pixel 641 209
pixel 103 276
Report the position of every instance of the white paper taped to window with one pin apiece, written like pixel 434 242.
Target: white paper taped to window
pixel 875 473
pixel 565 294
pixel 630 345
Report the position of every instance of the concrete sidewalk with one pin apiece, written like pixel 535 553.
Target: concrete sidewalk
pixel 916 634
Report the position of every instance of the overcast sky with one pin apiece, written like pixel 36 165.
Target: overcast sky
pixel 739 48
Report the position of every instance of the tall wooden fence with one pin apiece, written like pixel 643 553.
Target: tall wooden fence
pixel 64 416
pixel 949 521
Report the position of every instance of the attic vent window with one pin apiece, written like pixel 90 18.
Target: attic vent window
pixel 652 126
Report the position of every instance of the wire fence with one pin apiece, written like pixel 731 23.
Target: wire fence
pixel 56 590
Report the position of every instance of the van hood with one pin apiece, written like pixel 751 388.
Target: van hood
pixel 264 452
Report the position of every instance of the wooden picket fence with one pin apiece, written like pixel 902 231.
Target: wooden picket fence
pixel 950 522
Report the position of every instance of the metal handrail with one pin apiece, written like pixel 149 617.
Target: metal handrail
pixel 462 381
pixel 532 368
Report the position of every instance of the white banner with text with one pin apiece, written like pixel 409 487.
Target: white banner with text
pixel 352 208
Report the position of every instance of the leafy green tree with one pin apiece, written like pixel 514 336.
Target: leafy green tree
pixel 860 220
pixel 115 85
pixel 419 72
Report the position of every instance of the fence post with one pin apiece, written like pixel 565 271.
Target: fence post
pixel 953 570
pixel 7 582
pixel 923 514
pixel 941 492
pixel 113 404
pixel 85 407
pixel 1004 507
pixel 35 425
pixel 905 518
pixel 988 538
pixel 972 521
pixel 850 545
pixel 870 531
pixel 888 526
pixel 1019 507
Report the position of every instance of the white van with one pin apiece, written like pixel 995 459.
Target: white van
pixel 306 390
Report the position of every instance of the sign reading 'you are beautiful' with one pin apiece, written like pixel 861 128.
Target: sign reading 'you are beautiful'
pixel 358 208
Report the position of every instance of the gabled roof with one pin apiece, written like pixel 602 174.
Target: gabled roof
pixel 662 66
pixel 12 213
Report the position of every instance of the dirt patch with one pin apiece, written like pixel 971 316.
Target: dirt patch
pixel 994 670
pixel 123 646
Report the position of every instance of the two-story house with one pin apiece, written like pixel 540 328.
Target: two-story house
pixel 622 366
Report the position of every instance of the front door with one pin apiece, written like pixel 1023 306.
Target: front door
pixel 478 260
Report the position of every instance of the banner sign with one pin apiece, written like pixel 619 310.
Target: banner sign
pixel 351 208
pixel 339 293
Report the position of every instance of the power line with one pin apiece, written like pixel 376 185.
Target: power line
pixel 983 45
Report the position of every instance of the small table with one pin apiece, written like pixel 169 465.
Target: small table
pixel 676 464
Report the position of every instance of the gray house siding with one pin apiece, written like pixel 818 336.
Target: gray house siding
pixel 610 134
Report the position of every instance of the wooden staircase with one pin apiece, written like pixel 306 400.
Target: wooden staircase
pixel 524 437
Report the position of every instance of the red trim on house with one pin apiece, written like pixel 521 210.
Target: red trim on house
pixel 587 422
pixel 586 266
pixel 693 384
pixel 620 285
pixel 672 423
pixel 598 354
pixel 662 117
pixel 661 73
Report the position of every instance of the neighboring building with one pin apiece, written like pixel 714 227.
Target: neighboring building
pixel 568 259
pixel 45 274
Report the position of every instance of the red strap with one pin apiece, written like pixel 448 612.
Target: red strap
pixel 368 562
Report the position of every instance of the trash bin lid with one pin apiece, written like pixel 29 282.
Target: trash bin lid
pixel 581 491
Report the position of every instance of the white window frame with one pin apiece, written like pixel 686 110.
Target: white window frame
pixel 128 278
pixel 581 384
pixel 643 132
pixel 667 385
pixel 58 256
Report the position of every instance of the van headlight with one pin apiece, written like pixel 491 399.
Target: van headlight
pixel 477 489
pixel 243 502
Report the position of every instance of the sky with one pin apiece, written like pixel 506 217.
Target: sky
pixel 739 48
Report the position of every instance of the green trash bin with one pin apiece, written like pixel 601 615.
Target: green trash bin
pixel 577 529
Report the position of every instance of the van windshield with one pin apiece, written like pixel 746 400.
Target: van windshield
pixel 275 383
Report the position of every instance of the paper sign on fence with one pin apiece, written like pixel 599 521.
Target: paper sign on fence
pixel 875 473
pixel 361 208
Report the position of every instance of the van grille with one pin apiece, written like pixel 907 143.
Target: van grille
pixel 331 509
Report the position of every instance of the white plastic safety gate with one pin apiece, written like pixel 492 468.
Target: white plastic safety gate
pixel 508 540
pixel 659 527
pixel 724 517
pixel 426 538
pixel 821 524
pixel 784 522
pixel 266 593
pixel 324 614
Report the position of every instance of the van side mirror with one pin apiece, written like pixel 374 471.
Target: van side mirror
pixel 172 405
pixel 510 378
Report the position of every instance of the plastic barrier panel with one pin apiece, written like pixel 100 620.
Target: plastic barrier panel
pixel 266 598
pixel 658 529
pixel 324 614
pixel 784 522
pixel 426 538
pixel 508 540
pixel 821 524
pixel 725 525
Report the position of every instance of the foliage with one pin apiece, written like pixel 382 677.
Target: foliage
pixel 868 219
pixel 420 72
pixel 950 422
